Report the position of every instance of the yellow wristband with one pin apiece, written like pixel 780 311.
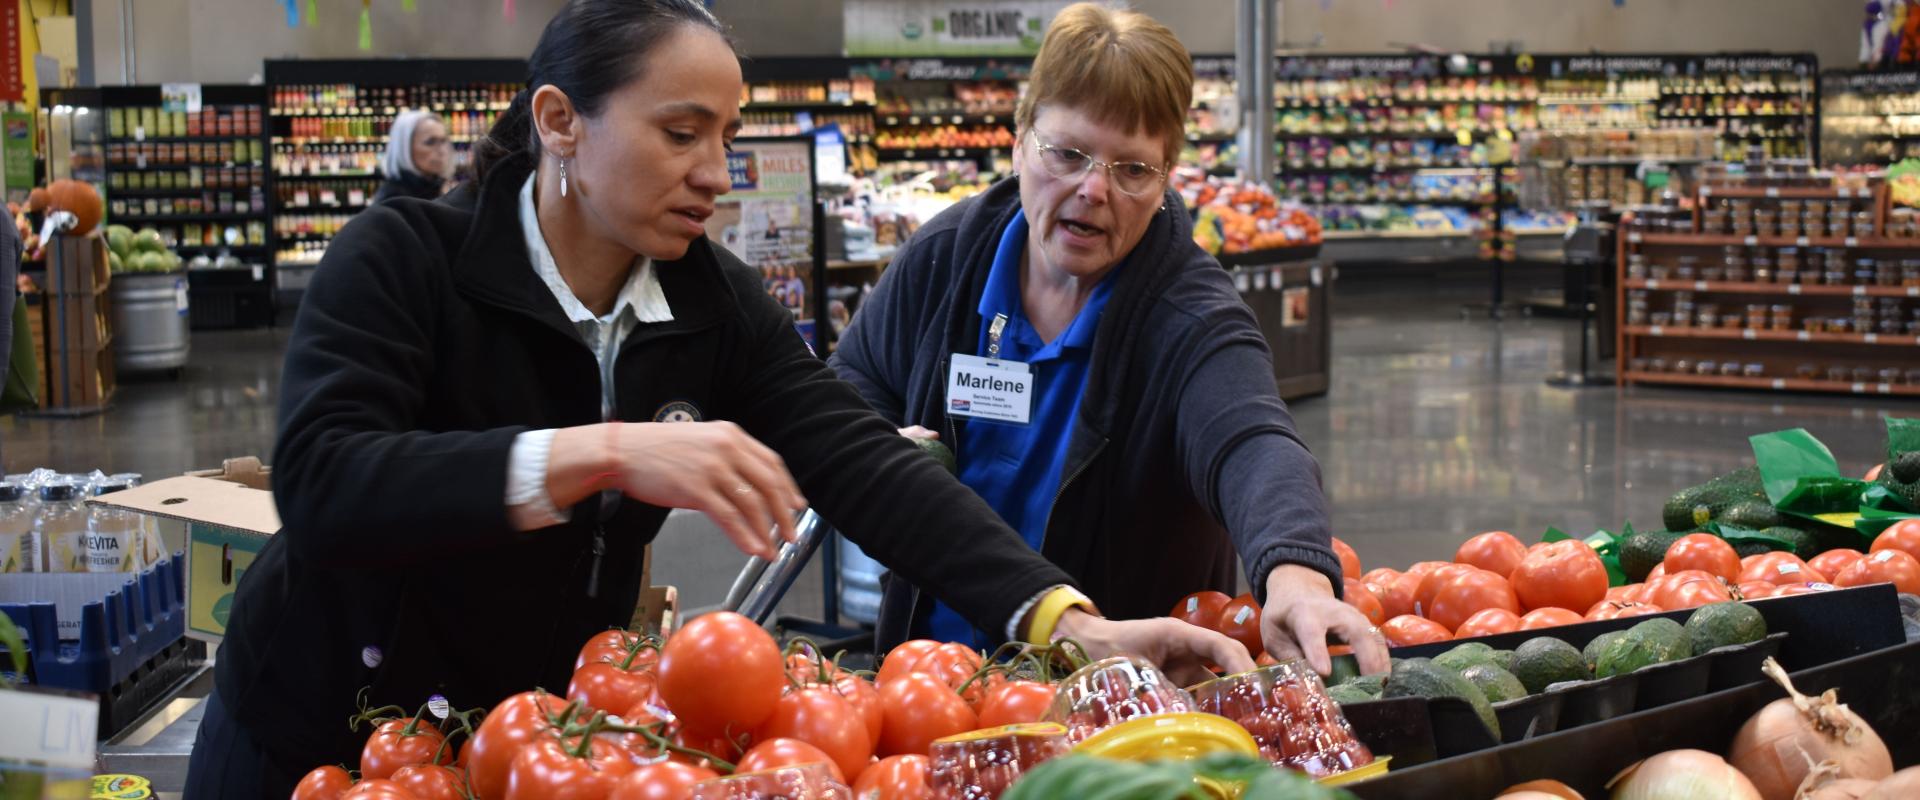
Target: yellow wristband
pixel 1047 613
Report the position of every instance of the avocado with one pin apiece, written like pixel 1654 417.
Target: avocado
pixel 1643 551
pixel 1745 549
pixel 1804 544
pixel 1902 476
pixel 1752 515
pixel 1543 661
pixel 1367 683
pixel 1685 509
pixel 1345 668
pixel 1690 508
pixel 1722 624
pixel 940 453
pixel 1655 641
pixel 1348 693
pixel 1591 653
pixel 1420 677
pixel 1460 658
pixel 1503 659
pixel 1497 684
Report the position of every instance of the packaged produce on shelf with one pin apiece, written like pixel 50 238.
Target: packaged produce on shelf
pixel 1390 187
pixel 1323 152
pixel 1396 218
pixel 1235 216
pixel 944 136
pixel 1445 119
pixel 971 99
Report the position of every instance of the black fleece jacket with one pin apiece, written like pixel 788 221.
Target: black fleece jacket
pixel 425 344
pixel 1182 453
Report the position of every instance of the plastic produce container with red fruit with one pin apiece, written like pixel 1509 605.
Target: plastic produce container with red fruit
pixel 1286 708
pixel 1106 693
pixel 803 782
pixel 983 764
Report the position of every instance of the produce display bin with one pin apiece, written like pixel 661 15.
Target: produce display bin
pixel 1291 294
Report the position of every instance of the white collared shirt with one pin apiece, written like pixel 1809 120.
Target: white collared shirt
pixel 641 299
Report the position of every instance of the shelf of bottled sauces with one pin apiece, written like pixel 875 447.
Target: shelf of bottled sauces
pixel 351 99
pixel 327 160
pixel 462 127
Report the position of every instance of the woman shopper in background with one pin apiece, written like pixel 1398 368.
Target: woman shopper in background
pixel 1155 447
pixel 419 158
pixel 472 454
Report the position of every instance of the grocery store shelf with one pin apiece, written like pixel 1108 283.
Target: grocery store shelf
pixel 286 176
pixel 1730 240
pixel 289 238
pixel 1389 102
pixel 910 120
pixel 907 154
pixel 379 140
pixel 1797 289
pixel 1448 134
pixel 1752 334
pixel 1388 168
pixel 1275 255
pixel 215 248
pixel 1793 384
pixel 1618 161
pixel 133 219
pixel 182 192
pixel 1789 193
pixel 1212 137
pixel 243 137
pixel 381 111
pixel 1664 114
pixel 1362 235
pixel 345 208
pixel 1556 100
pixel 1436 203
pixel 803 106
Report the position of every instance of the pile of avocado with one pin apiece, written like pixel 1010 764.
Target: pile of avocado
pixel 1902 476
pixel 1483 676
pixel 1738 499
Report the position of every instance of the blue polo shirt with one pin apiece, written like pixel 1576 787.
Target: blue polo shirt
pixel 1016 468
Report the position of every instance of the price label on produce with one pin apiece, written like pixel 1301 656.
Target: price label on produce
pixel 1699 286
pixel 1773 191
pixel 1805 336
pixel 1859 388
pixel 1653 284
pixel 1884 389
pixel 1779 383
pixel 1802 241
pixel 1859 291
pixel 1749 334
pixel 1753 240
pixel 1793 288
pixel 1872 338
pixel 1656 331
pixel 1853 241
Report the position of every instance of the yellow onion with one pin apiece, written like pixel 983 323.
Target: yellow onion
pixel 1780 746
pixel 1682 775
pixel 1902 785
pixel 1539 790
pixel 1825 783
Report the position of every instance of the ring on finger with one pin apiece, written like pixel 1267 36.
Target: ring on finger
pixel 743 489
pixel 1377 633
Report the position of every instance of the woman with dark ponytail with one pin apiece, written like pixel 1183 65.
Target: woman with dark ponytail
pixel 490 402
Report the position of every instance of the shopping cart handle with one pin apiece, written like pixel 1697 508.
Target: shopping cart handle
pixel 761 584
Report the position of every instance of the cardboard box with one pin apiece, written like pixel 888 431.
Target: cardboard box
pixel 229 514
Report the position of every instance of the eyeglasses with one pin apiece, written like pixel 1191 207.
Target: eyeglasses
pixel 1132 178
pixel 436 141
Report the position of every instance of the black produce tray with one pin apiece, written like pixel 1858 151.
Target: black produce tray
pixel 1528 717
pixel 1883 686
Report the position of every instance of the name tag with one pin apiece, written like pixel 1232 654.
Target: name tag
pixel 985 388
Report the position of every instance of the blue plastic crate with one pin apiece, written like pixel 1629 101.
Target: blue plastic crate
pixel 123 632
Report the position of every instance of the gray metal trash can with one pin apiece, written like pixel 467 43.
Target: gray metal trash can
pixel 149 321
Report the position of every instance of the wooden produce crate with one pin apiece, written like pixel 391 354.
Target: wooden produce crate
pixel 76 334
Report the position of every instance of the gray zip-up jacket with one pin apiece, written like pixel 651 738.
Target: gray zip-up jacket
pixel 1182 456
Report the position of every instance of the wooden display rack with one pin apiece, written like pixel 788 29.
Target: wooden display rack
pixel 1778 350
pixel 74 334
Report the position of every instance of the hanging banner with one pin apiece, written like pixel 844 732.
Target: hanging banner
pixel 946 27
pixel 13 85
pixel 767 219
pixel 16 152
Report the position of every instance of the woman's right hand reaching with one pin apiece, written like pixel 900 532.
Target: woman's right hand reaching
pixel 711 467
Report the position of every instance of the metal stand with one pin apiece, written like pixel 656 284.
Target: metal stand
pixel 1588 247
pixel 1496 307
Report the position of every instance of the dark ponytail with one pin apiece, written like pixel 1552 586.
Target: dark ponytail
pixel 589 50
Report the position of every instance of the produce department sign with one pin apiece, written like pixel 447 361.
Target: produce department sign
pixel 946 27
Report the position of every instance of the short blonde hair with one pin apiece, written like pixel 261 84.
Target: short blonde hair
pixel 1120 67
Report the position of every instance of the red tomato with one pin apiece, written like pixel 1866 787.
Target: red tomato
pixel 1621 592
pixel 1360 596
pixel 1431 583
pixel 1834 562
pixel 1689 589
pixel 865 699
pixel 720 747
pixel 1408 630
pixel 1903 536
pixel 1497 552
pixel 511 724
pixel 1349 560
pixel 1705 552
pixel 1779 568
pixel 1408 584
pixel 1200 608
pixel 1874 474
pixel 1635 593
pixel 545 770
pixel 1488 622
pixel 1614 609
pixel 1756 590
pixel 1660 571
pixel 667 780
pixel 1469 593
pixel 1884 566
pixel 616 647
pixel 919 709
pixel 721 671
pixel 1803 588
pixel 323 783
pixel 804 667
pixel 1380 575
pixel 1549 617
pixel 1240 621
pixel 819 716
pixel 777 753
pixel 1565 574
pixel 394 745
pixel 377 789
pixel 1015 702
pixel 430 782
pixel 1394 598
pixel 895 778
pixel 901 659
pixel 604 686
pixel 953 663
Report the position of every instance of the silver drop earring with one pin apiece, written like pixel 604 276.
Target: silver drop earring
pixel 563 177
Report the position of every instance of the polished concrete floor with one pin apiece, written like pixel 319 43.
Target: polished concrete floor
pixel 1438 426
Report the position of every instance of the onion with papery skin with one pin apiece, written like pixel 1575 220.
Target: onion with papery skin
pixel 1825 783
pixel 1682 775
pixel 1780 745
pixel 1533 790
pixel 1902 785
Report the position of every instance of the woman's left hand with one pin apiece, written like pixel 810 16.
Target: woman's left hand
pixel 1182 651
pixel 1301 610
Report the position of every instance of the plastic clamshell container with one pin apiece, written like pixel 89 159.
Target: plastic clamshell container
pixel 983 764
pixel 1286 709
pixel 1111 691
pixel 802 782
pixel 1177 737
